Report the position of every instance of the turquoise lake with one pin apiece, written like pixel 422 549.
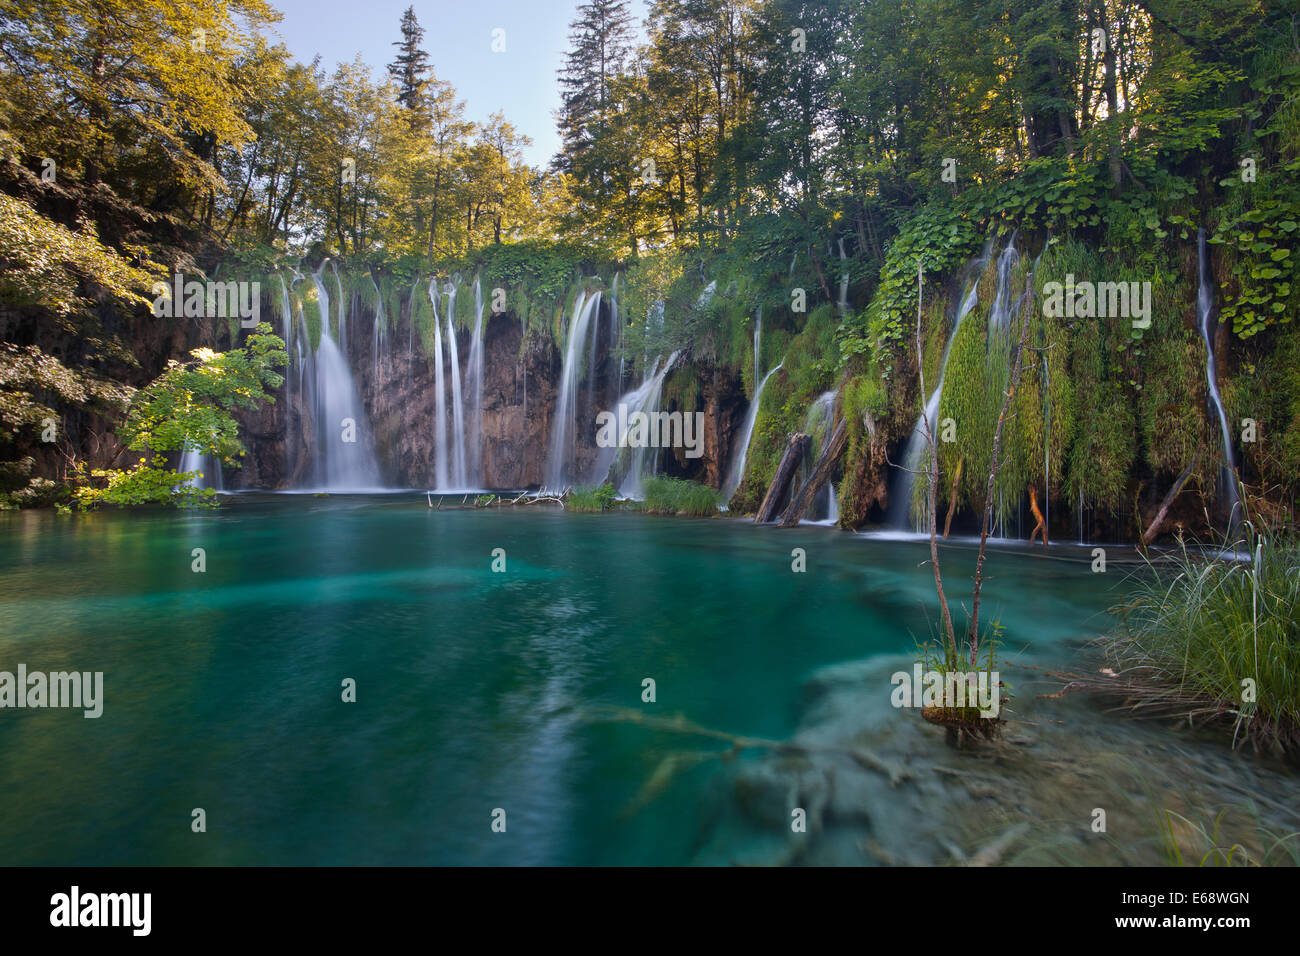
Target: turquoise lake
pixel 478 690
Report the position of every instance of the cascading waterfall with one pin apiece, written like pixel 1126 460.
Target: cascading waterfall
pixel 1006 305
pixel 900 504
pixel 475 386
pixel 616 331
pixel 286 327
pixel 207 465
pixel 459 477
pixel 1209 325
pixel 643 462
pixel 381 328
pixel 344 457
pixel 818 424
pixel 737 472
pixel 343 310
pixel 564 428
pixel 441 472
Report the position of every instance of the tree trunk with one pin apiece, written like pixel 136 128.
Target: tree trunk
pixel 820 475
pixel 795 449
pixel 1153 528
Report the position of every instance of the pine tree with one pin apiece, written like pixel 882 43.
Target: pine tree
pixel 411 69
pixel 600 41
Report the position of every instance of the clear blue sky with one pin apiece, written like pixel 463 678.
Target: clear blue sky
pixel 458 37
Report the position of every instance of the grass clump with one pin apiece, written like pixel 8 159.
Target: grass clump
pixel 674 496
pixel 591 498
pixel 1215 640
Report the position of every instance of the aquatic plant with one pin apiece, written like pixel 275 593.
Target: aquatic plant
pixel 590 498
pixel 675 496
pixel 1215 640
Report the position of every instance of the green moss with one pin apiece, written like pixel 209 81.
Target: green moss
pixel 309 305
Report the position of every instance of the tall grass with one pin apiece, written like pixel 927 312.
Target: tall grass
pixel 1198 630
pixel 674 496
pixel 590 498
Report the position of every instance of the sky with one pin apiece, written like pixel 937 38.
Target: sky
pixel 458 37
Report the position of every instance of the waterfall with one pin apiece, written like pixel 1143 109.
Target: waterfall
pixel 459 478
pixel 381 328
pixel 616 332
pixel 644 399
pixel 900 502
pixel 440 470
pixel 344 458
pixel 737 472
pixel 286 325
pixel 758 340
pixel 475 386
pixel 1209 325
pixel 343 311
pixel 818 424
pixel 1005 303
pixel 564 428
pixel 209 467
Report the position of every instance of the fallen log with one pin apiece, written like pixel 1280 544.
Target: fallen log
pixel 821 474
pixel 795 449
pixel 1153 529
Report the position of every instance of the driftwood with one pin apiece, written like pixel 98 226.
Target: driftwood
pixel 795 449
pixel 821 473
pixel 1038 516
pixel 1153 528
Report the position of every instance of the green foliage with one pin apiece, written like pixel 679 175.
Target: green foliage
pixel 188 406
pixel 143 485
pixel 43 263
pixel 26 373
pixel 673 496
pixel 1196 629
pixel 940 238
pixel 590 498
pixel 1263 255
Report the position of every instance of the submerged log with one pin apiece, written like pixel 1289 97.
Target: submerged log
pixel 795 449
pixel 821 473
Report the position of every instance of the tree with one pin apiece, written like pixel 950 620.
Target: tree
pixel 600 41
pixel 188 408
pixel 411 70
